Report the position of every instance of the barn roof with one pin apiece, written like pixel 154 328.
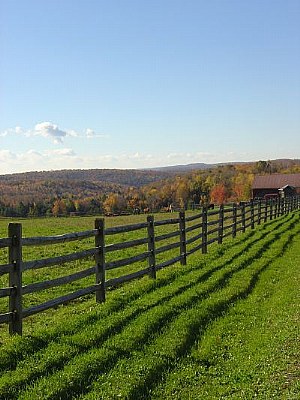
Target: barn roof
pixel 276 181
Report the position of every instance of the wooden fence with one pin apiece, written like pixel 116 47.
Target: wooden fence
pixel 191 234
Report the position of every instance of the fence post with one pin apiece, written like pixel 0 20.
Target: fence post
pixel 281 206
pixel 204 230
pixel 243 211
pixel 182 237
pixel 252 214
pixel 221 224
pixel 271 209
pixel 259 212
pixel 15 277
pixel 294 202
pixel 266 211
pixel 285 205
pixel 100 259
pixel 234 217
pixel 151 247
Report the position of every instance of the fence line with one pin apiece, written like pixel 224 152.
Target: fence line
pixel 191 234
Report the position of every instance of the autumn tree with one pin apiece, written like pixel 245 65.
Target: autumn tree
pixel 182 192
pixel 218 194
pixel 59 208
pixel 114 203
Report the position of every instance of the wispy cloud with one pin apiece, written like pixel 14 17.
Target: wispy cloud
pixel 67 158
pixel 91 134
pixel 6 155
pixel 33 160
pixel 61 153
pixel 52 131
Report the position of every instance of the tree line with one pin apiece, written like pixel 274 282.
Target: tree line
pixel 62 197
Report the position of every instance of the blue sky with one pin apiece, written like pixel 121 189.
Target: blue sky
pixel 136 83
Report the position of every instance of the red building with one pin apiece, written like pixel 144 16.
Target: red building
pixel 267 186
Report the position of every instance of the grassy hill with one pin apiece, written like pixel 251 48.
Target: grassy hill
pixel 224 326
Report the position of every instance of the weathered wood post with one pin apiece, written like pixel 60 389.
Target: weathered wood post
pixel 252 214
pixel 221 224
pixel 287 207
pixel 293 203
pixel 276 208
pixel 271 209
pixel 151 247
pixel 281 206
pixel 234 218
pixel 100 259
pixel 266 211
pixel 243 211
pixel 280 212
pixel 15 277
pixel 204 230
pixel 259 212
pixel 182 237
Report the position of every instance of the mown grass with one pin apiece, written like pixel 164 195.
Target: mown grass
pixel 224 326
pixel 56 226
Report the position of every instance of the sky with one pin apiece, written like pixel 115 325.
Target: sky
pixel 141 84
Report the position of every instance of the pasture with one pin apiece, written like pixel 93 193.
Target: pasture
pixel 226 325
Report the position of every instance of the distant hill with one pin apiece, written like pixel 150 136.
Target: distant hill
pixel 283 163
pixel 127 177
pixel 192 167
pixel 41 186
pixel 184 168
pixel 32 187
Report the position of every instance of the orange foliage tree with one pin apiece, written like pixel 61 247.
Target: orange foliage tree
pixel 218 194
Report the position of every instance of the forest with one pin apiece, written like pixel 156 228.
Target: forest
pixel 112 192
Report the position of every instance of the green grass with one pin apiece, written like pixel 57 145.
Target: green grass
pixel 56 226
pixel 224 326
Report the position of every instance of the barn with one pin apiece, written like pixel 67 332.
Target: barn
pixel 267 186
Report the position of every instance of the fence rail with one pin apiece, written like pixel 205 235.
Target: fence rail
pixel 191 234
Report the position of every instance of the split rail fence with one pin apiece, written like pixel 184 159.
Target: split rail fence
pixel 187 234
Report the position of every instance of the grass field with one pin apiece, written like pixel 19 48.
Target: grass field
pixel 224 326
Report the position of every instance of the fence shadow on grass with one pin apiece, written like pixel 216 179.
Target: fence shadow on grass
pixel 194 331
pixel 150 250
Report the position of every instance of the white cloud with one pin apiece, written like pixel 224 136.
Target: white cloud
pixel 6 155
pixel 34 153
pixel 91 134
pixel 66 158
pixel 18 130
pixel 13 131
pixel 62 152
pixel 49 130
